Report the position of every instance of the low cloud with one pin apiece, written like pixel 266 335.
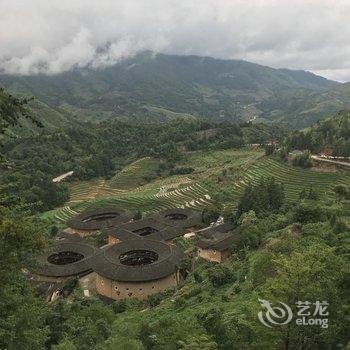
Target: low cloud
pixel 55 36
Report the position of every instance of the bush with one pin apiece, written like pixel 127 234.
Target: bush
pixel 269 149
pixel 54 230
pixel 138 215
pixel 306 213
pixel 303 160
pixel 69 285
pixel 197 277
pixel 220 275
pixel 342 191
pixel 181 171
pixel 154 299
pixel 126 305
pixel 210 214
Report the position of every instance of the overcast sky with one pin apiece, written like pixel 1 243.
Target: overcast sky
pixel 54 36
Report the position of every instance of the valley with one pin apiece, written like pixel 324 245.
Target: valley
pixel 196 190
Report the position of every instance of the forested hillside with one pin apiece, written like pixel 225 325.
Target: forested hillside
pixel 154 86
pixel 332 133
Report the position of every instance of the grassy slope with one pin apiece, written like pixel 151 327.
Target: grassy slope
pixel 195 190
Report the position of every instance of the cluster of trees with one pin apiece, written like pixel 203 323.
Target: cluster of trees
pixel 267 195
pixel 333 133
pixel 302 160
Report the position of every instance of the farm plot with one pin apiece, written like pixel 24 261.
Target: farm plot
pixel 136 174
pixel 180 192
pixel 197 189
pixel 294 179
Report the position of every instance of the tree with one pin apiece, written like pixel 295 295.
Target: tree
pixel 212 321
pixel 342 191
pixel 22 315
pixel 270 149
pixel 210 214
pixel 65 344
pixel 303 160
pixel 306 213
pixel 138 215
pixel 85 322
pixel 219 275
pixel 202 342
pixel 308 274
pixel 11 110
pixel 267 195
pixel 311 194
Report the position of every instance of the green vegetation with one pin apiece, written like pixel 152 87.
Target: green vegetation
pixel 303 160
pixel 332 134
pixel 103 151
pixel 292 238
pixel 266 196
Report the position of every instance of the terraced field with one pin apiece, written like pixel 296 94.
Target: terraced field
pixel 136 174
pixel 88 190
pixel 294 179
pixel 175 191
pixel 196 189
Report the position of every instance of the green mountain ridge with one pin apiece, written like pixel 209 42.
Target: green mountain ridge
pixel 198 86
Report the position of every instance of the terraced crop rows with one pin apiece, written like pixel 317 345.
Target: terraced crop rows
pixel 293 179
pixel 147 199
pixel 183 191
pixel 136 174
pixel 88 190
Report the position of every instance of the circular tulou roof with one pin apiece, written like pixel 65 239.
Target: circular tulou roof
pixel 98 219
pixel 119 262
pixel 65 259
pixel 178 217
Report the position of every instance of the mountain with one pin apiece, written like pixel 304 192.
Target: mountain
pixel 154 86
pixel 303 107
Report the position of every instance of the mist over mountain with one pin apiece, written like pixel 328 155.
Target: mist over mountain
pixel 153 86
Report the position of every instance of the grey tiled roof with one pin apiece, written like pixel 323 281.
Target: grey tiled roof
pixel 107 262
pixel 82 222
pixel 131 230
pixel 191 218
pixel 43 267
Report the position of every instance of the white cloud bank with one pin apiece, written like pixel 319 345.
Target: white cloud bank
pixel 53 36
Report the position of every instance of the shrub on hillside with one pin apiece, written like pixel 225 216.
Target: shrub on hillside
pixel 267 195
pixel 307 213
pixel 303 160
pixel 210 214
pixel 342 191
pixel 220 275
pixel 181 171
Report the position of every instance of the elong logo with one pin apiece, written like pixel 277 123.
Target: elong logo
pixel 283 314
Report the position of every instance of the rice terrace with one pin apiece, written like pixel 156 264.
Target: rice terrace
pixel 195 190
